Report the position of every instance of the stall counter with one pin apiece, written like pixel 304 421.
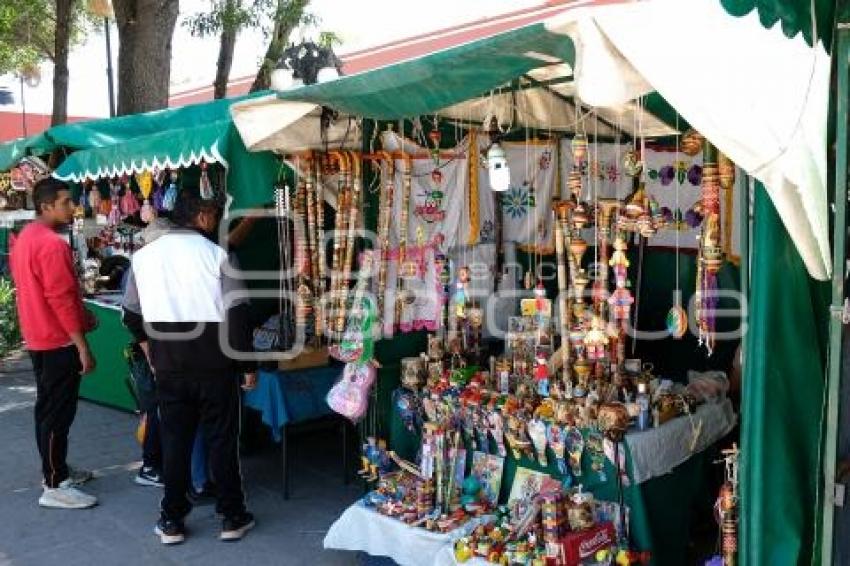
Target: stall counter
pixel 108 383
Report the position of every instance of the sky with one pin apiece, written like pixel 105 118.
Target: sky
pixel 359 23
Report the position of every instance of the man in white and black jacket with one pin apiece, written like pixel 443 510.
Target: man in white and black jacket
pixel 178 306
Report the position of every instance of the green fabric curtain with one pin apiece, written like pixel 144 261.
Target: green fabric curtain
pixel 782 400
pixel 795 16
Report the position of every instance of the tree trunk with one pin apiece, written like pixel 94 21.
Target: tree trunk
pixel 62 38
pixel 225 54
pixel 145 28
pixel 287 17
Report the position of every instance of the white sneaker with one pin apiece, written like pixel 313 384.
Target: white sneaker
pixel 75 478
pixel 66 497
pixel 78 477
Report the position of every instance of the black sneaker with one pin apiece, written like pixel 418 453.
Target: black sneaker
pixel 170 531
pixel 149 477
pixel 234 528
pixel 206 496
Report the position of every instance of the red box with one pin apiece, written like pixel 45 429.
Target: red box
pixel 581 545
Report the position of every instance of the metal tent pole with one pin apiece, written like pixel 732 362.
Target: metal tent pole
pixel 836 323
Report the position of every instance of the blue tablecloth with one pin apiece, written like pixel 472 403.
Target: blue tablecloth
pixel 291 396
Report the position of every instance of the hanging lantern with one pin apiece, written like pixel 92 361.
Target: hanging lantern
pixel 497 165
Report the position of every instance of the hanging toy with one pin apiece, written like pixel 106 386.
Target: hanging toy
pixel 145 182
pixel 350 396
pixel 459 298
pixel 434 136
pixel 555 437
pixel 129 203
pixel 206 189
pixel 114 215
pixel 574 442
pixel 169 199
pixel 94 199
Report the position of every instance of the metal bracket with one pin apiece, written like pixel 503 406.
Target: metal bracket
pixel 842 312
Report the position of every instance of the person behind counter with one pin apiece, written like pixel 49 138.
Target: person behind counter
pixel 53 322
pixel 175 303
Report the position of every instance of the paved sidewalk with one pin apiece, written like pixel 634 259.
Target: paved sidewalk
pixel 120 530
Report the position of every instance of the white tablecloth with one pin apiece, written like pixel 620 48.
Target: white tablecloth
pixel 363 529
pixel 657 451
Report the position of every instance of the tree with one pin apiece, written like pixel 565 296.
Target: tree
pixel 288 15
pixel 32 31
pixel 228 18
pixel 145 30
pixel 277 19
pixel 61 48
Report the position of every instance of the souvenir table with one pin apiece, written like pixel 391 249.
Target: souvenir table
pixel 295 399
pixel 666 480
pixel 362 529
pixel 107 384
pixel 284 397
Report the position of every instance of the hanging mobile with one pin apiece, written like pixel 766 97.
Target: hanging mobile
pixel 677 318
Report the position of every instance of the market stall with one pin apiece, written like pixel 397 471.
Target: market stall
pixel 565 373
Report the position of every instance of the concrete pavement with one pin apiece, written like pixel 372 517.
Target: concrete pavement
pixel 120 530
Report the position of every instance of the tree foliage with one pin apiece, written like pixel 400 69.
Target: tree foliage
pixel 27 32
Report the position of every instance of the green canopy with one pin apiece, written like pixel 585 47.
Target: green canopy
pixel 13 151
pixel 422 85
pixel 795 16
pixel 112 131
pixel 171 137
pixel 170 149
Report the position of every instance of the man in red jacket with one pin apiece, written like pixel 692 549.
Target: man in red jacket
pixel 53 323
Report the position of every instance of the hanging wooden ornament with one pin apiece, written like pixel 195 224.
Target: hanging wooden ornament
pixel 579 148
pixel 710 251
pixel 385 209
pixel 574 183
pixel 726 170
pixel 632 164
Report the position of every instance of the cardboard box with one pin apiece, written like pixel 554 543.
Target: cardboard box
pixel 582 545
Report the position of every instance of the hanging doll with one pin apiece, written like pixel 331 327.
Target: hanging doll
pixel 94 199
pixel 169 199
pixel 145 182
pixel 114 216
pixel 129 204
pixel 206 189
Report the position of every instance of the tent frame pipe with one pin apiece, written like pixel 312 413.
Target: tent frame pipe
pixel 836 323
